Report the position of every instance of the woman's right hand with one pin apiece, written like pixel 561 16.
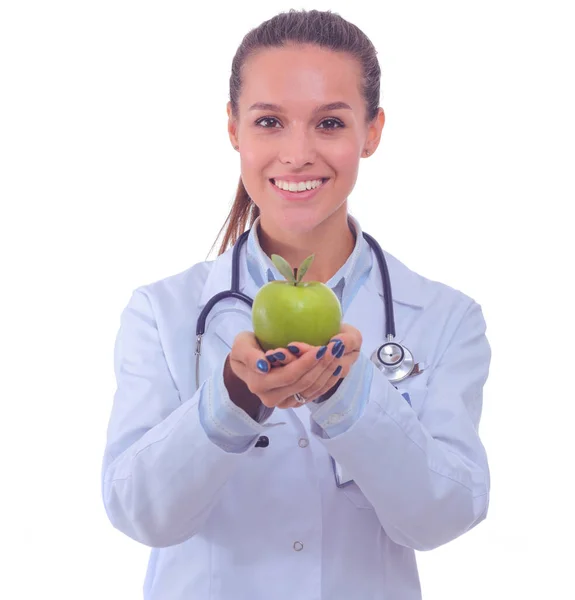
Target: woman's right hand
pixel 276 375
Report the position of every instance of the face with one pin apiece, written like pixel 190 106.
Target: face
pixel 285 130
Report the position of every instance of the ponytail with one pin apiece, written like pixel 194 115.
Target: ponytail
pixel 242 213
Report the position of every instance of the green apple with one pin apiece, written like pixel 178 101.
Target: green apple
pixel 295 311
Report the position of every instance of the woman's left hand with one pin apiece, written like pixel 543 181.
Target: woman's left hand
pixel 330 369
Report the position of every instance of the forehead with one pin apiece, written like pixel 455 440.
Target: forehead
pixel 301 77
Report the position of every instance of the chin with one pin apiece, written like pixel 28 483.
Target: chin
pixel 298 223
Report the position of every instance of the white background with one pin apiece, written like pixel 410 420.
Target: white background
pixel 116 170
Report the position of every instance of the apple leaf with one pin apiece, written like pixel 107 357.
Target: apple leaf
pixel 305 265
pixel 283 267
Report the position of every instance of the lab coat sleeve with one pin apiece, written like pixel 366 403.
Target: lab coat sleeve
pixel 161 473
pixel 227 425
pixel 425 473
pixel 338 413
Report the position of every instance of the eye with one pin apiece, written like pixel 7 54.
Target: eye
pixel 337 122
pixel 268 123
pixel 264 120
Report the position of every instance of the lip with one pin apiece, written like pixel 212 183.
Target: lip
pixel 298 196
pixel 298 178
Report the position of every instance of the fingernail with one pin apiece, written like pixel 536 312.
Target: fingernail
pixel 293 349
pixel 271 357
pixel 336 340
pixel 338 370
pixel 280 355
pixel 336 347
pixel 263 365
pixel 340 351
pixel 321 352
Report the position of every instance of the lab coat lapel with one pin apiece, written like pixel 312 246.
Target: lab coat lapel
pixel 231 315
pixel 365 313
pixel 367 310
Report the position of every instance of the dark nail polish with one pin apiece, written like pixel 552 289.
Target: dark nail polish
pixel 338 371
pixel 293 349
pixel 321 352
pixel 263 365
pixel 336 347
pixel 280 355
pixel 271 358
pixel 340 351
pixel 335 340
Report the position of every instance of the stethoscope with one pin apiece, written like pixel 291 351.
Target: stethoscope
pixel 392 358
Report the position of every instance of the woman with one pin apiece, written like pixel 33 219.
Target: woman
pixel 231 513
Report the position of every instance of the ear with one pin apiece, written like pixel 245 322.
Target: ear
pixel 232 126
pixel 374 130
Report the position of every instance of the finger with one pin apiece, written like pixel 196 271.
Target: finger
pixel 332 370
pixel 347 343
pixel 247 351
pixel 324 370
pixel 251 364
pixel 340 372
pixel 279 357
pixel 293 402
pixel 350 336
pixel 329 380
pixel 328 356
pixel 298 375
pixel 290 402
pixel 281 384
pixel 310 395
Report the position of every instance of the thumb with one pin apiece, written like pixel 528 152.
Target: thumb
pixel 247 350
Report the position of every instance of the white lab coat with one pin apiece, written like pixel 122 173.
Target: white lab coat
pixel 270 523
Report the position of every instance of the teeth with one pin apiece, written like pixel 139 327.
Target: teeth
pixel 292 186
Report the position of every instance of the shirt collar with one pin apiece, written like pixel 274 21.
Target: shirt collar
pixel 344 283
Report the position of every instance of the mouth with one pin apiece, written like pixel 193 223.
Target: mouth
pixel 298 191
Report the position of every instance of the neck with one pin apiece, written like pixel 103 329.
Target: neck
pixel 331 242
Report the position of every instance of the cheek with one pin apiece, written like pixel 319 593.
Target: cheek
pixel 344 157
pixel 253 166
pixel 249 159
pixel 254 159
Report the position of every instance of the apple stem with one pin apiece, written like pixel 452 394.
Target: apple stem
pixel 295 275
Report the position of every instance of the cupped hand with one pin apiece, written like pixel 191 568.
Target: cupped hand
pixel 277 375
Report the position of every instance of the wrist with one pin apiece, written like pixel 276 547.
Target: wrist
pixel 329 393
pixel 239 392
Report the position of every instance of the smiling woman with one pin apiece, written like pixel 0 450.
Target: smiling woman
pixel 354 473
pixel 300 117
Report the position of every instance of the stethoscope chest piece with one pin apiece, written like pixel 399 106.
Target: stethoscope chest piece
pixel 394 360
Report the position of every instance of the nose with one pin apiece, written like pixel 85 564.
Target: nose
pixel 297 148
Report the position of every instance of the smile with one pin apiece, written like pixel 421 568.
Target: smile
pixel 303 190
pixel 302 186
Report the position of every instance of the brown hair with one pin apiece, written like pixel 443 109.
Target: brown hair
pixel 320 28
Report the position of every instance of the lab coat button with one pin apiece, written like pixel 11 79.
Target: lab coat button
pixel 297 546
pixel 303 443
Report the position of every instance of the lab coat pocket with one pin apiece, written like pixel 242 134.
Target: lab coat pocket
pixel 413 393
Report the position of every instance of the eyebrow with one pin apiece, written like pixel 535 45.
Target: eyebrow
pixel 318 109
